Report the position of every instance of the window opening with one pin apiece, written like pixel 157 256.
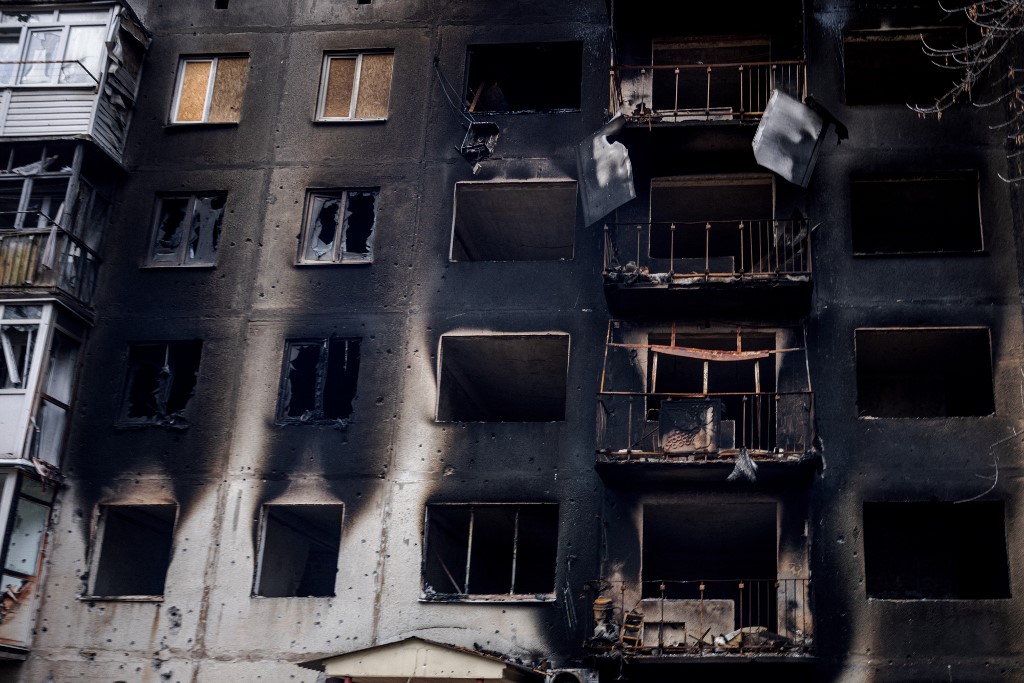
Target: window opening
pixel 210 90
pixel 161 381
pixel 518 221
pixel 915 214
pixel 134 550
pixel 355 86
pixel 924 372
pixel 490 551
pixel 888 66
pixel 503 378
pixel 523 77
pixel 299 551
pixel 186 230
pixel 339 226
pixel 318 383
pixel 935 551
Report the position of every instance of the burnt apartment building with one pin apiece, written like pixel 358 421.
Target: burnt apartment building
pixel 389 340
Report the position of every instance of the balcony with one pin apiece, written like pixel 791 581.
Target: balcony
pixel 47 261
pixel 701 93
pixel 693 619
pixel 705 405
pixel 714 265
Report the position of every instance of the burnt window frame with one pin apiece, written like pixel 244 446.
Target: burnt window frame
pixel 325 72
pixel 177 418
pixel 860 412
pixel 265 516
pixel 98 545
pixel 435 596
pixel 323 368
pixel 911 177
pixel 469 105
pixel 211 87
pixel 183 260
pixel 338 251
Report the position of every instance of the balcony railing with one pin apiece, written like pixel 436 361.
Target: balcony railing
pixel 707 617
pixel 68 72
pixel 703 92
pixel 688 427
pixel 48 258
pixel 751 249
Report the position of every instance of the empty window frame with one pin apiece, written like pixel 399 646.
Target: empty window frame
pixel 160 381
pixel 503 378
pixel 58 387
pixel 318 382
pixel 903 214
pixel 490 551
pixel 53 47
pixel 19 334
pixel 889 66
pixel 355 86
pixel 210 89
pixel 524 77
pixel 298 551
pixel 27 522
pixel 132 550
pixel 514 221
pixel 935 551
pixel 186 229
pixel 924 372
pixel 339 226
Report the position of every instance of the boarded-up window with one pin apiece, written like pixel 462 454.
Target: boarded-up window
pixel 355 86
pixel 339 226
pixel 186 230
pixel 210 90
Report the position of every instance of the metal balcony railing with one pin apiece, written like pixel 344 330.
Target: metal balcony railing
pixel 53 72
pixel 703 92
pixel 697 617
pixel 713 425
pixel 47 258
pixel 763 248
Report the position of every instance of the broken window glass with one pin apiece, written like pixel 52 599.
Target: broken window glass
pixel 187 229
pixel 318 383
pixel 299 551
pixel 490 550
pixel 82 54
pixel 17 343
pixel 134 549
pixel 355 87
pixel 339 226
pixel 161 380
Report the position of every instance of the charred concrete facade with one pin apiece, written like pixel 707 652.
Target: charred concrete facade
pixel 361 366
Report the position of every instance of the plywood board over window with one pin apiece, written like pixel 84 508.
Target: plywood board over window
pixel 210 89
pixel 355 86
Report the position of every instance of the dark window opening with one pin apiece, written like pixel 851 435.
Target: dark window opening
pixel 524 221
pixel 299 551
pixel 519 77
pixel 935 551
pixel 186 231
pixel 220 4
pixel 890 66
pixel 161 381
pixel 339 226
pixel 134 549
pixel 490 550
pixel 503 378
pixel 926 372
pixel 318 382
pixel 922 214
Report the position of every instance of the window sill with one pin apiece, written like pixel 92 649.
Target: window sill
pixel 121 598
pixel 50 86
pixel 178 266
pixel 925 417
pixel 518 112
pixel 348 262
pixel 293 597
pixel 200 124
pixel 176 424
pixel 910 601
pixel 331 122
pixel 539 598
pixel 919 254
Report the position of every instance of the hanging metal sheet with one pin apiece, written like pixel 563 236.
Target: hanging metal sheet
pixel 605 172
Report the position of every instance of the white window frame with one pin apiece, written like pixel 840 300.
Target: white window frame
pixel 325 71
pixel 208 103
pixel 49 20
pixel 341 240
pixel 182 260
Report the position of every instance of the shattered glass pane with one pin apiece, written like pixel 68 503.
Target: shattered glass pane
pixel 41 56
pixel 82 54
pixel 207 217
pixel 16 345
pixel 360 214
pixel 8 54
pixel 340 383
pixel 299 393
pixel 170 231
pixel 161 380
pixel 23 312
pixel 44 203
pixel 324 215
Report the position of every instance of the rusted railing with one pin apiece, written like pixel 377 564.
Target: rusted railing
pixel 711 616
pixel 756 248
pixel 15 72
pixel 773 424
pixel 48 258
pixel 704 92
